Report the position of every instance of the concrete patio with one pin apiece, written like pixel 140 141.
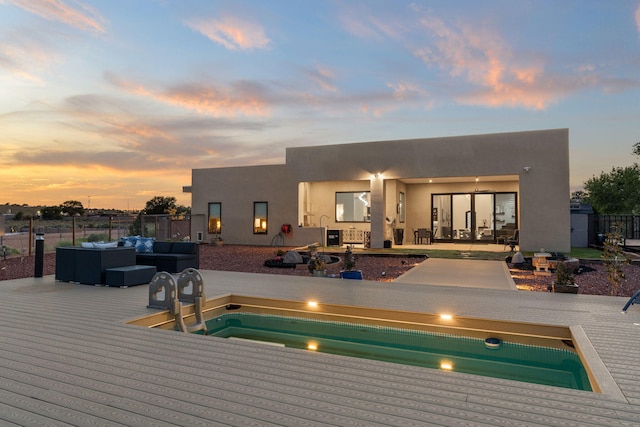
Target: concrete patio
pixel 67 357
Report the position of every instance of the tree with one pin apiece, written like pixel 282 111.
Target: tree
pixel 578 196
pixel 160 205
pixel 615 192
pixel 51 212
pixel 636 149
pixel 73 208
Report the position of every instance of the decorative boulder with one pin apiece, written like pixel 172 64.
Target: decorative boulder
pixel 292 257
pixel 517 258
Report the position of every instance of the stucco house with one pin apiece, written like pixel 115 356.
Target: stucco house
pixel 471 189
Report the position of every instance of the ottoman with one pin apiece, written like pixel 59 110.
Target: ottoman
pixel 130 275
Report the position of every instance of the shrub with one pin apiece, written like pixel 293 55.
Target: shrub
pixel 97 237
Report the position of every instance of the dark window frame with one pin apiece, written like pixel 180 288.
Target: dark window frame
pixel 261 223
pixel 218 229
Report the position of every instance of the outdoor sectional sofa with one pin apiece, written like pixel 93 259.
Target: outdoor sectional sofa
pixel 172 257
pixel 89 265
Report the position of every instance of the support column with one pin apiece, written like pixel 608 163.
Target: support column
pixel 378 208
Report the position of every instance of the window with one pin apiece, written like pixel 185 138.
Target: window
pixel 401 208
pixel 353 207
pixel 260 217
pixel 215 218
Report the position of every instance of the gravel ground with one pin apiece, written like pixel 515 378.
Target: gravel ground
pixel 592 280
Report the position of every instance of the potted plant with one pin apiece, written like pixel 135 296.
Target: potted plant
pixel 564 280
pixel 317 266
pixel 349 265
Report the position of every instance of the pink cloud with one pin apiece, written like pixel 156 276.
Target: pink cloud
pixel 232 33
pixel 83 17
pixel 483 59
pixel 241 99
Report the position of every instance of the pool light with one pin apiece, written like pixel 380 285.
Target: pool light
pixel 446 365
pixel 313 346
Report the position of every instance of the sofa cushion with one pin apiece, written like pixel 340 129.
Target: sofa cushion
pixel 102 245
pixel 162 247
pixel 183 248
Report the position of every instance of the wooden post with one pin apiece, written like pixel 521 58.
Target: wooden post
pixel 73 231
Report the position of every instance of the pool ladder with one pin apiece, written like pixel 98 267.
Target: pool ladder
pixel 165 292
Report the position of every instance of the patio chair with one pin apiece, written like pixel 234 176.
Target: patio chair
pixel 513 240
pixel 424 233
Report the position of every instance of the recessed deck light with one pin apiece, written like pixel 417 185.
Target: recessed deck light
pixel 446 317
pixel 312 304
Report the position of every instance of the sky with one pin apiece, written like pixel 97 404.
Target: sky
pixel 113 102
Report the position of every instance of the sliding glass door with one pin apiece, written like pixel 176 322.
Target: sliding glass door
pixel 473 216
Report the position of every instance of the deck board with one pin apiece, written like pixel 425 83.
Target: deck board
pixel 67 358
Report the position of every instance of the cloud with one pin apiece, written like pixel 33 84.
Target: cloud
pixel 357 19
pixel 323 77
pixel 82 17
pixel 239 98
pixel 481 66
pixel 232 33
pixel 484 60
pixel 638 19
pixel 22 51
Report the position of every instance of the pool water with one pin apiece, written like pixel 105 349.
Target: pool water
pixel 520 362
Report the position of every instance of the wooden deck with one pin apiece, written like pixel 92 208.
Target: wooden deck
pixel 68 358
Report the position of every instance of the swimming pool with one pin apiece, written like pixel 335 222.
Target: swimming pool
pixel 521 362
pixel 542 354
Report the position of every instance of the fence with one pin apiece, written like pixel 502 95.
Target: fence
pixel 600 225
pixel 19 236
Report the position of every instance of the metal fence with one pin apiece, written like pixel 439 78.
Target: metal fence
pixel 19 236
pixel 600 225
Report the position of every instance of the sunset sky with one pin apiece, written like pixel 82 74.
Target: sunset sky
pixel 113 102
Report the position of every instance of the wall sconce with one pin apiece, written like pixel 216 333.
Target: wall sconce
pixel 527 169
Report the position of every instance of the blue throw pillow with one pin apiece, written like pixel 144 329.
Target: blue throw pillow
pixel 144 245
pixel 130 242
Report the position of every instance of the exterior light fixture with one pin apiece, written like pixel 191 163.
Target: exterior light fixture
pixel 312 304
pixel 527 169
pixel 313 346
pixel 446 317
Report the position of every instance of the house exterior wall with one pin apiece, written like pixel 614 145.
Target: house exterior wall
pixel 543 189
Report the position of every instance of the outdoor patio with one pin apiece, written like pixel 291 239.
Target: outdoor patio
pixel 68 357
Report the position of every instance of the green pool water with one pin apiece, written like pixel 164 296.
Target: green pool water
pixel 513 361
